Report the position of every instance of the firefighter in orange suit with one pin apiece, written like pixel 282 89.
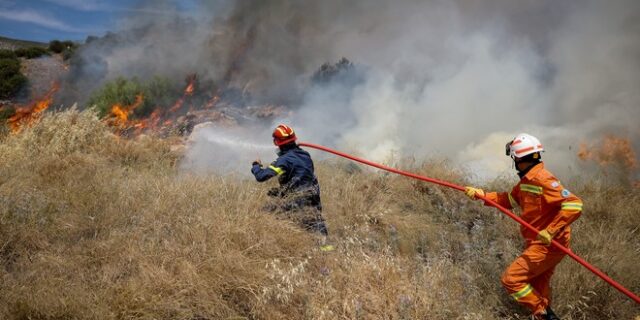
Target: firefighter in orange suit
pixel 547 206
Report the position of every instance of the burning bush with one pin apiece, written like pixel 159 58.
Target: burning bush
pixel 125 92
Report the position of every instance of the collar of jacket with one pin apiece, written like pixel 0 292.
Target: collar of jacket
pixel 532 171
pixel 286 148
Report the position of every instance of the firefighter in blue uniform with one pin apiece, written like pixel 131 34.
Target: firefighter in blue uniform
pixel 299 192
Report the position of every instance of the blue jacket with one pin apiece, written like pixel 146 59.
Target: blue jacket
pixel 295 172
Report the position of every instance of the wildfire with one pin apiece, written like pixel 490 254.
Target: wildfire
pixel 612 150
pixel 176 106
pixel 28 115
pixel 212 103
pixel 149 123
pixel 120 114
pixel 188 91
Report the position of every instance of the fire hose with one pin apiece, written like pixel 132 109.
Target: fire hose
pixel 511 215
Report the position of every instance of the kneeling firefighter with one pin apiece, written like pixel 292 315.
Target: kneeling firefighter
pixel 547 206
pixel 299 191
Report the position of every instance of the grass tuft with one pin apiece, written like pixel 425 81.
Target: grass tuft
pixel 93 226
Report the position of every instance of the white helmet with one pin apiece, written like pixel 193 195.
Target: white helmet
pixel 523 145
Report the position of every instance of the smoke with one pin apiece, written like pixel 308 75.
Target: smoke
pixel 447 78
pixel 227 150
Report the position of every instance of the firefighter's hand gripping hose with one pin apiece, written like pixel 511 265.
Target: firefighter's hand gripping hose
pixel 570 253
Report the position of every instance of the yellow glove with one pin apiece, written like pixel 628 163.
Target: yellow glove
pixel 545 237
pixel 471 192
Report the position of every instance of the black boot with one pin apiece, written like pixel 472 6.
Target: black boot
pixel 549 315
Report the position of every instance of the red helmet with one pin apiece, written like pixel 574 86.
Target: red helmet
pixel 283 134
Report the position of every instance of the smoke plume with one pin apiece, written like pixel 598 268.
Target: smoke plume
pixel 446 78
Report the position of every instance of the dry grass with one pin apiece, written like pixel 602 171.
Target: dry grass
pixel 97 227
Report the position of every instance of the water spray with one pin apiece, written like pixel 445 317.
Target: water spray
pixel 511 215
pixel 235 142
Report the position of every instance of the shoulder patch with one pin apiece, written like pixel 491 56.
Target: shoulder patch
pixel 555 184
pixel 565 193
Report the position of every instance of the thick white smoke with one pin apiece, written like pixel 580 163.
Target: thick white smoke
pixel 452 78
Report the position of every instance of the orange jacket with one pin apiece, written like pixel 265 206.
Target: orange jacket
pixel 544 204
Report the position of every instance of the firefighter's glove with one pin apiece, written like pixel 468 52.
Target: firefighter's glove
pixel 545 237
pixel 472 192
pixel 256 162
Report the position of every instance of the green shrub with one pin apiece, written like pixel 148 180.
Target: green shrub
pixel 9 67
pixel 7 54
pixel 67 54
pixel 68 44
pixel 121 91
pixel 157 92
pixel 31 52
pixel 11 79
pixel 56 46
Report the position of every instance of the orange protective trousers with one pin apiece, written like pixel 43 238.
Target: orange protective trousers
pixel 528 278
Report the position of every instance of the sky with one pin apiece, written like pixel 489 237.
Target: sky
pixel 46 20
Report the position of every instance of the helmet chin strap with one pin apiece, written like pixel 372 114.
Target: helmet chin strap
pixel 534 160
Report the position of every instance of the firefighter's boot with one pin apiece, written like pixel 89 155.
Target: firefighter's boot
pixel 549 315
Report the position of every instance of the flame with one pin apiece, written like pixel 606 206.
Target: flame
pixel 191 80
pixel 212 103
pixel 177 105
pixel 28 115
pixel 150 123
pixel 190 88
pixel 188 91
pixel 120 114
pixel 612 150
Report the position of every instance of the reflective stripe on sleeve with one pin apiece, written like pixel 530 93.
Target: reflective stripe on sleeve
pixel 572 206
pixel 531 188
pixel 513 202
pixel 522 293
pixel 276 169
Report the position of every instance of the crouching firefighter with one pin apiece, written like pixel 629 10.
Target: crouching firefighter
pixel 547 206
pixel 299 193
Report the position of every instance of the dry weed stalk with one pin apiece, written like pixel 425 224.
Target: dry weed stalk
pixel 97 227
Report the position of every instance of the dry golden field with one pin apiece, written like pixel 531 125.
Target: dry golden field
pixel 93 226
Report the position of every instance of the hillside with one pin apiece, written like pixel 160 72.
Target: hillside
pixel 93 226
pixel 12 44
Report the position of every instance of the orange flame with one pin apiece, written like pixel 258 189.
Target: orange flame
pixel 190 89
pixel 191 80
pixel 212 103
pixel 177 105
pixel 28 115
pixel 150 123
pixel 120 114
pixel 612 150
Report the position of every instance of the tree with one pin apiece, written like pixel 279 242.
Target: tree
pixel 56 46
